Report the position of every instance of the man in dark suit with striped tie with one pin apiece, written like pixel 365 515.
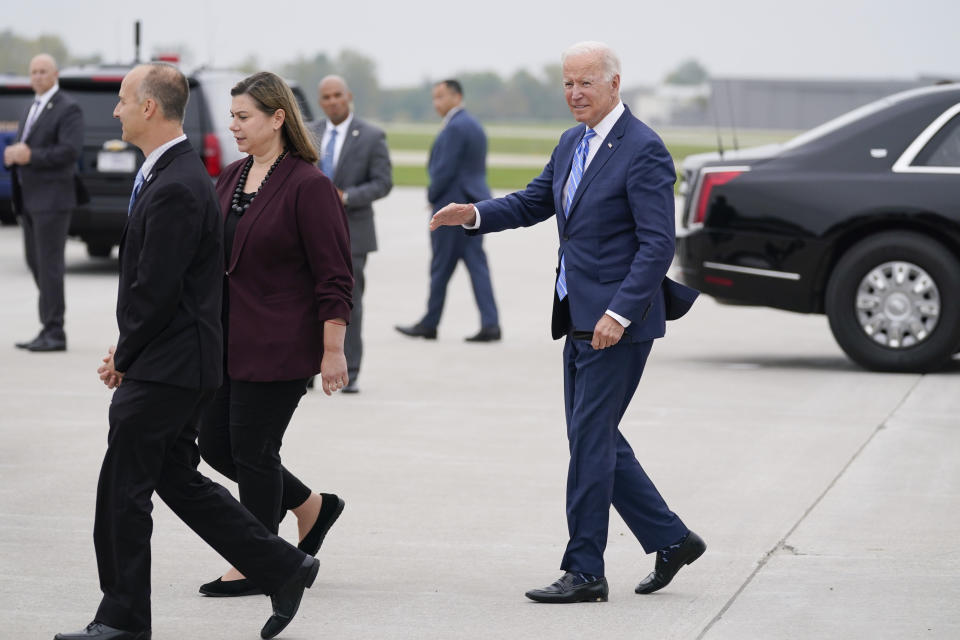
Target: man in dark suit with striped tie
pixel 43 166
pixel 354 155
pixel 167 363
pixel 609 183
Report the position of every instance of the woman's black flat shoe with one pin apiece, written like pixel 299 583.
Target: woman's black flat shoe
pixel 230 589
pixel 330 510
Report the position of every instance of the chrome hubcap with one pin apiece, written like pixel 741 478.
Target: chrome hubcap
pixel 898 304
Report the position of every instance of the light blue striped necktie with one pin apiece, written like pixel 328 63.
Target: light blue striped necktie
pixel 576 174
pixel 328 154
pixel 137 184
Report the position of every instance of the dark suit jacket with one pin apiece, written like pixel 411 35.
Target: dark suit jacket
pixel 171 277
pixel 365 174
pixel 458 163
pixel 55 141
pixel 618 237
pixel 290 271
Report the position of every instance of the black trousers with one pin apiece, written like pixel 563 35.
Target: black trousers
pixel 353 340
pixel 240 436
pixel 151 447
pixel 44 241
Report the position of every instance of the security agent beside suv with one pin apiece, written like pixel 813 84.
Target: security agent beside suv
pixel 43 178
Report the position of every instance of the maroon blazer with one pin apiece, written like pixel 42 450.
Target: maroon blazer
pixel 289 271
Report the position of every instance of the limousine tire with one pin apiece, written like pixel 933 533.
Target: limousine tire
pixel 893 301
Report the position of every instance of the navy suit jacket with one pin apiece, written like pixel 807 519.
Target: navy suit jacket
pixel 618 237
pixel 458 163
pixel 171 277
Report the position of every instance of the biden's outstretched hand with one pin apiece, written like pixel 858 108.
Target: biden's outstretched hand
pixel 452 215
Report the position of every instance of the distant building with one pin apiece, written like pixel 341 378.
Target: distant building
pixel 754 103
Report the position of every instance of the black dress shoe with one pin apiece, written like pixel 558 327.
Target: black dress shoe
pixel 286 601
pixel 26 345
pixel 486 334
pixel 101 631
pixel 230 589
pixel 330 510
pixel 46 343
pixel 565 590
pixel 690 549
pixel 418 331
pixel 351 387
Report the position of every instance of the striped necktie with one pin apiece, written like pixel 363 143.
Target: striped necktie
pixel 576 174
pixel 137 183
pixel 327 164
pixel 31 119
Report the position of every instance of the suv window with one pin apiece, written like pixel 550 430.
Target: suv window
pixel 943 150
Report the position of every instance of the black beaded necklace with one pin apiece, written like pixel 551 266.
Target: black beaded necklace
pixel 239 204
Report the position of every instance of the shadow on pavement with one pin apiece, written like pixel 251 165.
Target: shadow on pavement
pixel 817 362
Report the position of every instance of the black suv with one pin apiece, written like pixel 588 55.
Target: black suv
pixel 108 165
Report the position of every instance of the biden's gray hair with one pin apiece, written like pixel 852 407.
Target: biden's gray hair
pixel 609 61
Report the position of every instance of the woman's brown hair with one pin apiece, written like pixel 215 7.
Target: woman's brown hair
pixel 270 92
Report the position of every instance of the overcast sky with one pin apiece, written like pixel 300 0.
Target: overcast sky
pixel 413 40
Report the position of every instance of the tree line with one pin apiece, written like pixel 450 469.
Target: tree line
pixel 523 96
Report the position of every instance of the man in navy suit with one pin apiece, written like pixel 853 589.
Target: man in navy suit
pixel 43 166
pixel 458 173
pixel 609 183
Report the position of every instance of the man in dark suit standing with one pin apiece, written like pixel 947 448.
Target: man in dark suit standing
pixel 167 363
pixel 353 153
pixel 609 182
pixel 43 164
pixel 458 173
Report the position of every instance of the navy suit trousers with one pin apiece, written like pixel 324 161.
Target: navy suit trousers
pixel 598 387
pixel 450 245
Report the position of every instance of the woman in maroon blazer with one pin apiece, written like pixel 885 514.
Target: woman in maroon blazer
pixel 286 303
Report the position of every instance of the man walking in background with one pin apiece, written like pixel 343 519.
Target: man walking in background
pixel 43 164
pixel 354 155
pixel 458 173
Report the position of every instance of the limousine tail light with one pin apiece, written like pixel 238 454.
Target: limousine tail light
pixel 710 179
pixel 211 154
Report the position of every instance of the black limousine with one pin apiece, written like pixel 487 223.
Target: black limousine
pixel 858 219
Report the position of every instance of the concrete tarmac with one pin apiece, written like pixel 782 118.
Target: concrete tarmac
pixel 828 496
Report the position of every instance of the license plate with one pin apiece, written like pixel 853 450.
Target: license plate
pixel 116 161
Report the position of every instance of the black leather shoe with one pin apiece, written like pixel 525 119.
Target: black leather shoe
pixel 351 387
pixel 286 601
pixel 690 549
pixel 564 590
pixel 486 334
pixel 230 589
pixel 26 344
pixel 418 331
pixel 330 510
pixel 46 343
pixel 103 632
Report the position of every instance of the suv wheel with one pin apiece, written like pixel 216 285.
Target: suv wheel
pixel 893 301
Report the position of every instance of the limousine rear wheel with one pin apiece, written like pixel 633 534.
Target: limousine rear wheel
pixel 893 301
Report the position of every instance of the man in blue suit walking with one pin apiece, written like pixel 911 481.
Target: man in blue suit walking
pixel 609 183
pixel 458 173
